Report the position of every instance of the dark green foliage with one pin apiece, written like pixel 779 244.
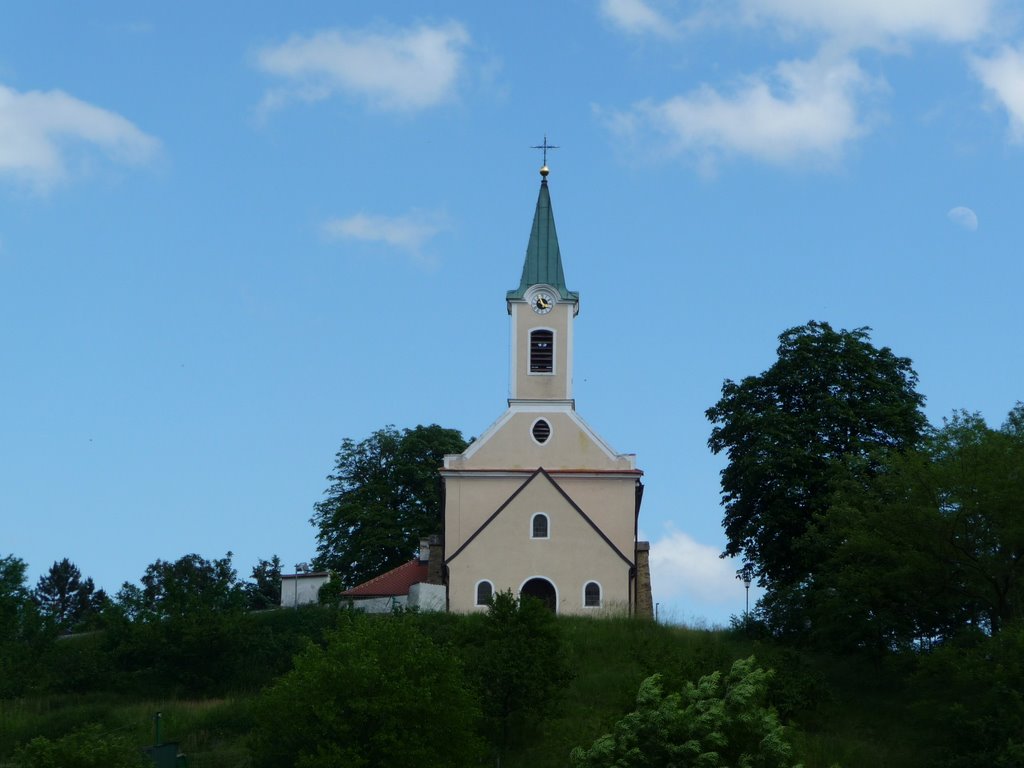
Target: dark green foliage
pixel 88 747
pixel 714 722
pixel 523 666
pixel 385 494
pixel 65 599
pixel 265 589
pixel 379 694
pixel 831 399
pixel 189 586
pixel 971 697
pixel 932 547
pixel 16 607
pixel 24 636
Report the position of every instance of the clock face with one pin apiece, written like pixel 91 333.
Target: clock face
pixel 543 302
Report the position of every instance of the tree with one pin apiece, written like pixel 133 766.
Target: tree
pixel 712 723
pixel 385 495
pixel 831 396
pixel 524 664
pixel 265 589
pixel 189 585
pixel 380 693
pixel 932 547
pixel 64 598
pixel 16 605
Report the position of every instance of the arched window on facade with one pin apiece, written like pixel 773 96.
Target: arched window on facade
pixel 484 593
pixel 539 526
pixel 542 351
pixel 592 595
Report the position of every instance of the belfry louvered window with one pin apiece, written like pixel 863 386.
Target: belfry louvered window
pixel 542 351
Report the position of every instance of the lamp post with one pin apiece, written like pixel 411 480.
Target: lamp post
pixel 746 575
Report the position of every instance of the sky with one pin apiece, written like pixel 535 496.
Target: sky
pixel 234 234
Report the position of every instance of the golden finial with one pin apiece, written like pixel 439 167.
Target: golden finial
pixel 544 171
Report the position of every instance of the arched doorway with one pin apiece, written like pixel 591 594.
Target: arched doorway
pixel 543 590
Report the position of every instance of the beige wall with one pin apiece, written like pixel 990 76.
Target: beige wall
pixel 505 554
pixel 538 386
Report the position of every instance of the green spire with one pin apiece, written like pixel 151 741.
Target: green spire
pixel 543 260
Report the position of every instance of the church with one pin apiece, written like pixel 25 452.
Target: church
pixel 540 504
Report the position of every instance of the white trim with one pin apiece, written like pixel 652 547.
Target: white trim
pixel 600 595
pixel 476 593
pixel 513 352
pixel 551 431
pixel 519 592
pixel 554 348
pixel 548 526
pixel 469 474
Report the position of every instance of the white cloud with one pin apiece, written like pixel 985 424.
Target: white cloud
pixel 409 233
pixel 804 112
pixel 963 217
pixel 39 130
pixel 636 17
pixel 868 20
pixel 684 569
pixel 1003 75
pixel 408 70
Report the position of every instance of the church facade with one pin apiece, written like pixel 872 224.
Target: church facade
pixel 540 504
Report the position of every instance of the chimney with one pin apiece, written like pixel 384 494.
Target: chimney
pixel 435 561
pixel 424 555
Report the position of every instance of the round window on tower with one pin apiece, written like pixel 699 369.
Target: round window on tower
pixel 541 431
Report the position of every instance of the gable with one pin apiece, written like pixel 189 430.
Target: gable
pixel 571 444
pixel 510 522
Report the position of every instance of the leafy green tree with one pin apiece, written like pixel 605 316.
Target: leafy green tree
pixel 830 397
pixel 524 664
pixel 88 747
pixel 16 605
pixel 932 547
pixel 380 693
pixel 714 722
pixel 182 630
pixel 385 494
pixel 265 589
pixel 65 598
pixel 189 585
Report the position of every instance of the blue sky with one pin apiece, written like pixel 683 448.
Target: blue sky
pixel 202 207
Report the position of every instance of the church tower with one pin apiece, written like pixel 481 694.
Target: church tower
pixel 540 504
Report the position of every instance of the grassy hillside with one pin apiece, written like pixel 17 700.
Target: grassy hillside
pixel 845 710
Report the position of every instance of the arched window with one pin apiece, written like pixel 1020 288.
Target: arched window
pixel 592 595
pixel 542 351
pixel 484 592
pixel 539 526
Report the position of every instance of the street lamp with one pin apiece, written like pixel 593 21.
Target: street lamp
pixel 746 575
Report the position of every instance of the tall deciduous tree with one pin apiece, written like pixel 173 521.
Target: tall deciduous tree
pixel 265 589
pixel 385 494
pixel 830 396
pixel 188 586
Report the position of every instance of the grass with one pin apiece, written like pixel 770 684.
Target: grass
pixel 844 711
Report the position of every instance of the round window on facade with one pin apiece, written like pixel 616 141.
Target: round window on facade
pixel 541 431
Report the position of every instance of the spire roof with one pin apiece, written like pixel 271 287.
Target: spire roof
pixel 543 264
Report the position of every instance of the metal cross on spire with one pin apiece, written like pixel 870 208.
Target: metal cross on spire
pixel 545 146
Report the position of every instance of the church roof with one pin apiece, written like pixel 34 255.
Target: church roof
pixel 543 264
pixel 391 584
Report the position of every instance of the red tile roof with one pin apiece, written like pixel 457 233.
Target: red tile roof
pixel 393 583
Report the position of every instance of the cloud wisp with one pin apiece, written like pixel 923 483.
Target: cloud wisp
pixel 874 22
pixel 803 112
pixel 1002 74
pixel 40 132
pixel 407 233
pixel 636 17
pixel 404 71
